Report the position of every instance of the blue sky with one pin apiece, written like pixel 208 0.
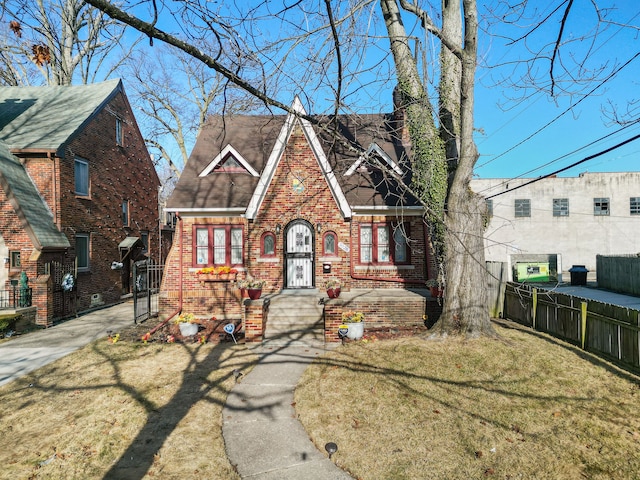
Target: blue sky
pixel 504 128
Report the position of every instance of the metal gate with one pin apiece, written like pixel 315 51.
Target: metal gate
pixel 65 288
pixel 147 279
pixel 299 258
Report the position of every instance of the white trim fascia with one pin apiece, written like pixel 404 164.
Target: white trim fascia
pixel 226 150
pixel 277 152
pixel 221 212
pixel 386 210
pixel 374 147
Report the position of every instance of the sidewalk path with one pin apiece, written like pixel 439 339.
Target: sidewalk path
pixel 23 354
pixel 263 437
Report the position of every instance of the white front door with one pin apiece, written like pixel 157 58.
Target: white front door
pixel 299 255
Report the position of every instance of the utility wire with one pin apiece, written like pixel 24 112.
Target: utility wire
pixel 590 157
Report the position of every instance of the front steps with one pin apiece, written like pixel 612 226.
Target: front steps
pixel 295 319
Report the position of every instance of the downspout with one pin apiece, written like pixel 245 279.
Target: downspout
pixel 54 194
pixel 180 277
pixel 356 276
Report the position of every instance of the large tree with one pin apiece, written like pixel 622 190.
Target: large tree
pixel 320 48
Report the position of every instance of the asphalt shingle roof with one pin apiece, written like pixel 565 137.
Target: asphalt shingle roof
pixel 28 204
pixel 45 118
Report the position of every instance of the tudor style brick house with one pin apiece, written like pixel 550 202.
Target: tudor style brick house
pixel 282 200
pixel 78 191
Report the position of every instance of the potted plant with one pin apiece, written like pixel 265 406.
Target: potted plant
pixel 355 324
pixel 435 287
pixel 243 286
pixel 187 323
pixel 217 274
pixel 254 288
pixel 333 288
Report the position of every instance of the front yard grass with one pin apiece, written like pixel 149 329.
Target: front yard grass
pixel 120 411
pixel 526 406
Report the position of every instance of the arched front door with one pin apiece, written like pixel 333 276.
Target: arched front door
pixel 299 258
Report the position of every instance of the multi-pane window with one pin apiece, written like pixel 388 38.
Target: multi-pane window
pixel 218 245
pixel 81 173
pixel 82 251
pixel 601 206
pixel 522 207
pixel 560 207
pixel 329 243
pixel 268 244
pixel 634 205
pixel 377 245
pixel 125 213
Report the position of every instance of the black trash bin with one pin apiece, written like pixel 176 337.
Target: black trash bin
pixel 578 275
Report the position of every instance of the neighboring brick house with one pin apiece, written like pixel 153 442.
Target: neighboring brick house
pixel 84 194
pixel 282 200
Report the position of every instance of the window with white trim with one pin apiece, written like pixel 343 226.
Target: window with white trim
pixel 379 246
pixel 217 245
pixel 81 176
pixel 82 251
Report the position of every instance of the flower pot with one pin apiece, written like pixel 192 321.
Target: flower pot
pixel 333 292
pixel 188 329
pixel 356 330
pixel 244 293
pixel 254 293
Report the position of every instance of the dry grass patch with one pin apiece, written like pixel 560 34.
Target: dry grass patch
pixel 119 411
pixel 523 407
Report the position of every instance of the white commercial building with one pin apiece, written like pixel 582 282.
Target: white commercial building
pixel 558 222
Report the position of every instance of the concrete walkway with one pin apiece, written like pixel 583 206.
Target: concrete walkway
pixel 25 353
pixel 263 437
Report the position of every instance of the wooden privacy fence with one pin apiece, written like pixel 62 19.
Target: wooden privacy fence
pixel 609 331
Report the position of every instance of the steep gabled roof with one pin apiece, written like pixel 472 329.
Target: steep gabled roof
pixel 46 118
pixel 260 141
pixel 30 207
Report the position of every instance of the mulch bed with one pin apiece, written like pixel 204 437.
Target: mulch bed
pixel 209 331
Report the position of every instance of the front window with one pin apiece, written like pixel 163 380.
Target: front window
pixel 382 243
pixel 81 173
pixel 634 205
pixel 268 245
pixel 218 245
pixel 329 243
pixel 82 251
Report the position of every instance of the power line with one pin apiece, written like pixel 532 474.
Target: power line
pixel 586 159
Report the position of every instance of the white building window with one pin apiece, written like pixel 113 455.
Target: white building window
pixel 634 205
pixel 560 207
pixel 601 206
pixel 522 207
